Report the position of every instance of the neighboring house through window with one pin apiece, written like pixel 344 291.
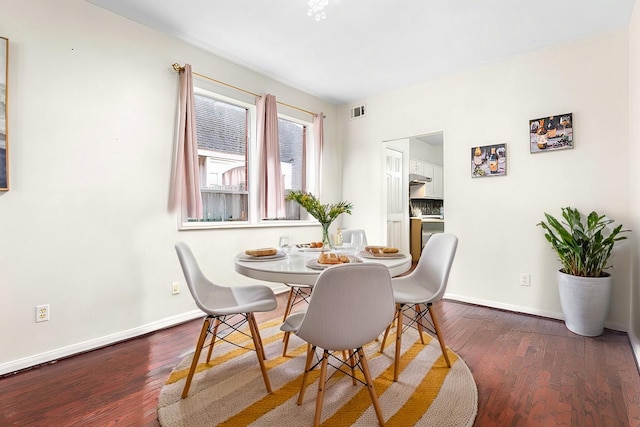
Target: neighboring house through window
pixel 227 150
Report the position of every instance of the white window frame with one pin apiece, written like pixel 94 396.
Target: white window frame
pixel 254 219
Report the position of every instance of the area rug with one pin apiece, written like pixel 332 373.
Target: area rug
pixel 229 391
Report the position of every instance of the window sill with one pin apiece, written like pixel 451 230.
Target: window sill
pixel 216 225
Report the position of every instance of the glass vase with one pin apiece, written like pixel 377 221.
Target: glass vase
pixel 326 243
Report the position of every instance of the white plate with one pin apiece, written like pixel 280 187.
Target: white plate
pixel 365 254
pixel 277 256
pixel 304 247
pixel 315 265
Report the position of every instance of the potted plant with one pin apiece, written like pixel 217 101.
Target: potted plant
pixel 583 249
pixel 324 213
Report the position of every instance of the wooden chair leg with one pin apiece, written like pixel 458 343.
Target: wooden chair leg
pixel 287 311
pixel 396 365
pixel 386 333
pixel 352 364
pixel 307 366
pixel 372 390
pixel 419 321
pixel 285 343
pixel 214 334
pixel 287 308
pixel 321 387
pixel 436 326
pixel 255 334
pixel 264 355
pixel 196 356
pixel 384 338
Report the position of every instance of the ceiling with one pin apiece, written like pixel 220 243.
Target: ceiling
pixel 366 47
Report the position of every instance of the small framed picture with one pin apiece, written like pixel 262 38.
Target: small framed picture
pixel 489 160
pixel 551 133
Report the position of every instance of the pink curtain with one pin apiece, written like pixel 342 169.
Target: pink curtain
pixel 271 183
pixel 235 176
pixel 185 183
pixel 318 136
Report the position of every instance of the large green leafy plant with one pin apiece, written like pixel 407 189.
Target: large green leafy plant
pixel 583 248
pixel 324 213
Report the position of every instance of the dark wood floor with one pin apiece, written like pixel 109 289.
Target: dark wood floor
pixel 530 371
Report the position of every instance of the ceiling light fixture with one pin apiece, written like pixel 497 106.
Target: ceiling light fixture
pixel 315 9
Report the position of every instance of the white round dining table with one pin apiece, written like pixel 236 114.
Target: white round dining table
pixel 294 269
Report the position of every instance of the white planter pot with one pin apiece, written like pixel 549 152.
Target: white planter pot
pixel 585 302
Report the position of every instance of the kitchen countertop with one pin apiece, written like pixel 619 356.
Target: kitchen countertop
pixel 428 219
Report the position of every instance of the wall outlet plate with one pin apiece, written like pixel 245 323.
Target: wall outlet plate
pixel 42 313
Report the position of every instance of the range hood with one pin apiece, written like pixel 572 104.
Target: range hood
pixel 415 179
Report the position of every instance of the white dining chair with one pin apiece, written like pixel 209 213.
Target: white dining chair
pixel 347 236
pixel 350 305
pixel 298 294
pixel 423 287
pixel 229 307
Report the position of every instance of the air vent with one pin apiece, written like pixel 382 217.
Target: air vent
pixel 357 112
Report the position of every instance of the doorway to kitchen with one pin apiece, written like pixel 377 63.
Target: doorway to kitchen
pixel 421 191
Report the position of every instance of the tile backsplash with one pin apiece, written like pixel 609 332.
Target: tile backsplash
pixel 426 206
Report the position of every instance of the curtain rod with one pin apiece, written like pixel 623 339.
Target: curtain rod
pixel 178 68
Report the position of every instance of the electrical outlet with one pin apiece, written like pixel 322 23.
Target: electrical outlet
pixel 175 288
pixel 42 313
pixel 525 279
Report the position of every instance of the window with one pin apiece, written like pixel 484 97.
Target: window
pixel 222 130
pixel 227 152
pixel 292 138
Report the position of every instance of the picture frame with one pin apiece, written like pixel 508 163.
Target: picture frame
pixel 489 160
pixel 551 133
pixel 4 140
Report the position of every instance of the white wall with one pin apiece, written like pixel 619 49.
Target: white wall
pixel 496 217
pixel 85 226
pixel 634 159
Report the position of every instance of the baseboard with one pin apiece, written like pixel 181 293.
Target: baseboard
pixel 635 346
pixel 60 353
pixel 527 310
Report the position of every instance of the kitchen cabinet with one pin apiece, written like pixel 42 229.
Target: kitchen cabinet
pixel 415 239
pixel 431 190
pixel 416 167
pixel 421 229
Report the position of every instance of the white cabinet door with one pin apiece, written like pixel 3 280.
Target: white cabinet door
pixel 416 166
pixel 428 188
pixel 413 166
pixel 438 184
pixel 427 170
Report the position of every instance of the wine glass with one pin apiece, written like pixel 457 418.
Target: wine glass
pixel 285 244
pixel 357 242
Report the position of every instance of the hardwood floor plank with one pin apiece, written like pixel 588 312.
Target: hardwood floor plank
pixel 530 371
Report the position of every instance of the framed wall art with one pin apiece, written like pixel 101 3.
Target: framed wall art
pixel 551 133
pixel 489 160
pixel 4 143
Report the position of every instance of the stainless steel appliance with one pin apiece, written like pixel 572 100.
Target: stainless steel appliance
pixel 431 224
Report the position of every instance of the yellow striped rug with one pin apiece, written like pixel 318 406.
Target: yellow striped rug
pixel 229 391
